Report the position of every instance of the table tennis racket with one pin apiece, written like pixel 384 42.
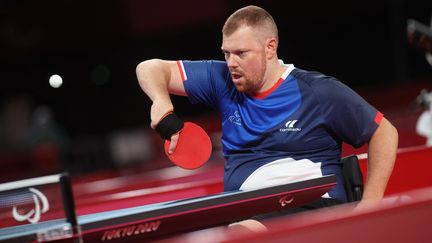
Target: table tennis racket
pixel 193 147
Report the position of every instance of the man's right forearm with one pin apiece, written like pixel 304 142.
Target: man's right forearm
pixel 158 79
pixel 153 77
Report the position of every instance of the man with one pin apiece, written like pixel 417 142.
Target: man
pixel 279 123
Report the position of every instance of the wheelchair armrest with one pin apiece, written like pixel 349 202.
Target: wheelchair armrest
pixel 353 178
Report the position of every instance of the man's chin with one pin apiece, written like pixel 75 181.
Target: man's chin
pixel 243 89
pixel 240 88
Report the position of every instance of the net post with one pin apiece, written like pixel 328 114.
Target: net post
pixel 69 204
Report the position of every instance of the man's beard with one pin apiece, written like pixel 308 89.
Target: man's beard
pixel 252 84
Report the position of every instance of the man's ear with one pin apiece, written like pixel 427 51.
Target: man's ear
pixel 271 45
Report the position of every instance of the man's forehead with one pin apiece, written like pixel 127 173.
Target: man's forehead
pixel 240 35
pixel 241 31
pixel 244 37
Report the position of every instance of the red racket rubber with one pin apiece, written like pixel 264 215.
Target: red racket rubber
pixel 193 147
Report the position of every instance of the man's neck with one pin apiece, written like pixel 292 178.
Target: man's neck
pixel 274 72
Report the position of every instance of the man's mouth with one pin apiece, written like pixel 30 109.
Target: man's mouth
pixel 236 76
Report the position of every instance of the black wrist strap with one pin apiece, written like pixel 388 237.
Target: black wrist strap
pixel 169 125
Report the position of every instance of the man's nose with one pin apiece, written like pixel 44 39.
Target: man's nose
pixel 231 61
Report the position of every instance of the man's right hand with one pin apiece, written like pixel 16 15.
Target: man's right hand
pixel 158 78
pixel 157 116
pixel 158 110
pixel 173 144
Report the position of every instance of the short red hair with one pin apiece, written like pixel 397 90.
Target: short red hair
pixel 252 16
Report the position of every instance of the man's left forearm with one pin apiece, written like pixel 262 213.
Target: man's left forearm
pixel 381 159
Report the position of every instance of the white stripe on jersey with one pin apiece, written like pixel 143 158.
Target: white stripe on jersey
pixel 289 68
pixel 183 70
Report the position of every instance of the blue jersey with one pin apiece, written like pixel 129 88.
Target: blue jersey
pixel 305 115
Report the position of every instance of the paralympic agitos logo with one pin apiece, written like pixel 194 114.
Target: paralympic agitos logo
pixel 285 200
pixel 41 206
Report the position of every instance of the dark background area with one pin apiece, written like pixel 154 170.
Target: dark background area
pixel 360 42
pixel 96 45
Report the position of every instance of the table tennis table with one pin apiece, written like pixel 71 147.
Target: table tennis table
pixel 159 220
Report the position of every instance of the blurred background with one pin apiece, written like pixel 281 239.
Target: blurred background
pixel 94 116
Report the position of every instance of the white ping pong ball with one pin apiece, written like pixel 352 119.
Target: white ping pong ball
pixel 55 81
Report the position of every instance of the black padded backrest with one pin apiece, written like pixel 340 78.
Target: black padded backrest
pixel 353 178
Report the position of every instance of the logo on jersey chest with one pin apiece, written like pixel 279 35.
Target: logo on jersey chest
pixel 235 119
pixel 290 126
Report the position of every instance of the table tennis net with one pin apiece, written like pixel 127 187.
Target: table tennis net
pixel 36 204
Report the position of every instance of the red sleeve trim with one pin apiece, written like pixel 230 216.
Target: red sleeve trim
pixel 181 69
pixel 379 116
